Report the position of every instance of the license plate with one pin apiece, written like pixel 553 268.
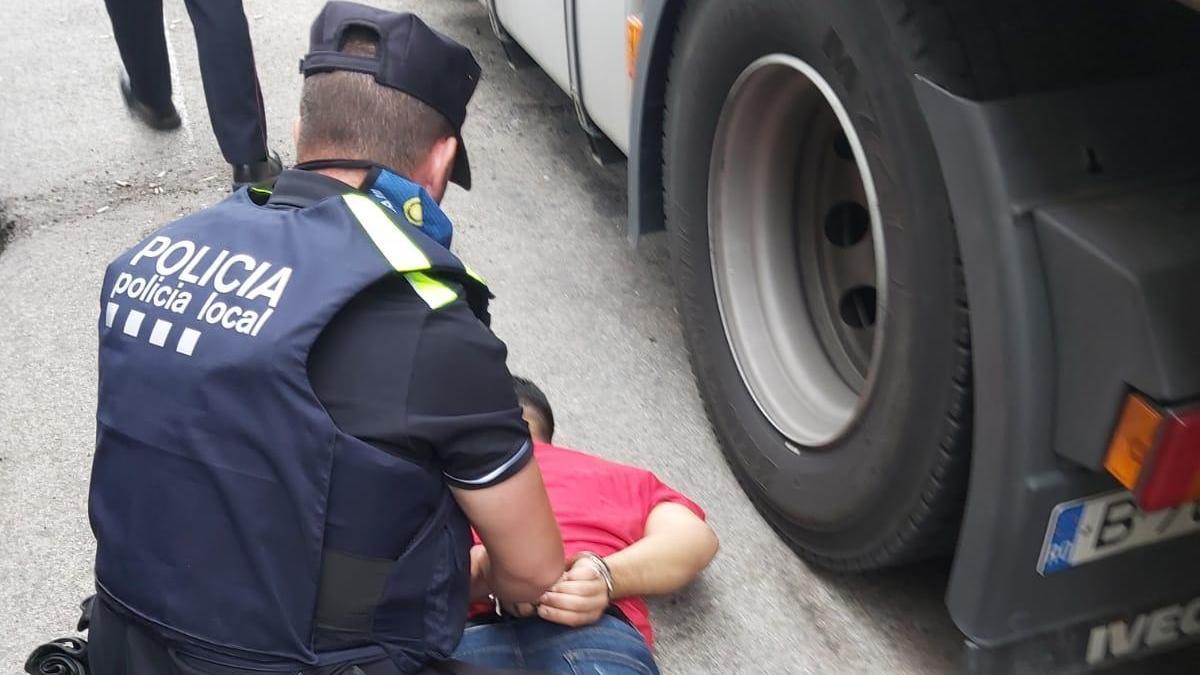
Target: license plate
pixel 1092 528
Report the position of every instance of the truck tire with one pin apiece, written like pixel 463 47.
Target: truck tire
pixel 820 288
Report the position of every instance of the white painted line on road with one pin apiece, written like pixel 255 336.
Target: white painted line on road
pixel 158 336
pixel 187 341
pixel 133 323
pixel 110 314
pixel 179 99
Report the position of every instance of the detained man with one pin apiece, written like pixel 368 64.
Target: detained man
pixel 626 534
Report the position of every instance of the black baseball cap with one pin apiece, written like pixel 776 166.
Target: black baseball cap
pixel 412 58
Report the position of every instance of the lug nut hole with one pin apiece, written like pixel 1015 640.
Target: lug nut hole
pixel 857 307
pixel 846 224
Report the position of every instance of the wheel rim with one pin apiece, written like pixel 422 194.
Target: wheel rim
pixel 797 249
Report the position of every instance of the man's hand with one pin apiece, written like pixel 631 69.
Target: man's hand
pixel 578 599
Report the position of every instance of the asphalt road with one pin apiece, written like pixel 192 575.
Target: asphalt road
pixel 591 319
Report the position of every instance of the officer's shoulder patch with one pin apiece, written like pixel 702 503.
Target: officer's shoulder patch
pixel 413 211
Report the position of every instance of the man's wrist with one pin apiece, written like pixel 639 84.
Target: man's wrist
pixel 601 566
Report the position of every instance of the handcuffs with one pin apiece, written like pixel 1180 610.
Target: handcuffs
pixel 600 565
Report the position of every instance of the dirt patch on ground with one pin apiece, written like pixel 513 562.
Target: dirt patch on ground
pixel 8 225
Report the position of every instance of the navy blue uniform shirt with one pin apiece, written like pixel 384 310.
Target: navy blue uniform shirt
pixel 428 384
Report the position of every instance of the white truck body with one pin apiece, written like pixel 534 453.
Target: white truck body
pixel 599 83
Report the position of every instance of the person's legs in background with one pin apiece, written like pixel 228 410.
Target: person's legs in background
pixel 141 40
pixel 235 104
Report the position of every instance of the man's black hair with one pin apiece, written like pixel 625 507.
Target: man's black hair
pixel 531 395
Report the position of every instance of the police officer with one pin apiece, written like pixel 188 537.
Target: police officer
pixel 299 398
pixel 235 104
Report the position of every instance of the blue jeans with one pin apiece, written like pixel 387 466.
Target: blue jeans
pixel 608 647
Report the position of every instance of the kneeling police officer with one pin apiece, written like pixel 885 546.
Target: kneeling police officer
pixel 300 398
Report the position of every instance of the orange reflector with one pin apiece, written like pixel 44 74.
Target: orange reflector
pixel 1131 443
pixel 633 37
pixel 1156 453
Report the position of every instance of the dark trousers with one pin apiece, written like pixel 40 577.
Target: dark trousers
pixel 235 103
pixel 118 645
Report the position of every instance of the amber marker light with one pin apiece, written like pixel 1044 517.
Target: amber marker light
pixel 633 37
pixel 1155 453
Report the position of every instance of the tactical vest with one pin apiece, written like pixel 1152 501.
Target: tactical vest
pixel 230 512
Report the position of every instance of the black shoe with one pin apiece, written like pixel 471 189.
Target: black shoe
pixel 257 172
pixel 165 119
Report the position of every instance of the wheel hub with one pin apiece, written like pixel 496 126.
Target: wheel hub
pixel 797 249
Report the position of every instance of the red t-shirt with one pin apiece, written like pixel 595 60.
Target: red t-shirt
pixel 601 506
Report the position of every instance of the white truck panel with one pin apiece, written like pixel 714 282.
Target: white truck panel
pixel 540 27
pixel 604 82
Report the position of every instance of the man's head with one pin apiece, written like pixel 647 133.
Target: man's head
pixel 385 88
pixel 536 410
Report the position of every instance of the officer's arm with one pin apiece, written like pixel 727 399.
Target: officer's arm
pixel 514 521
pixel 462 405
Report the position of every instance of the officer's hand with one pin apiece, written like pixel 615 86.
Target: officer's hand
pixel 520 609
pixel 481 588
pixel 578 599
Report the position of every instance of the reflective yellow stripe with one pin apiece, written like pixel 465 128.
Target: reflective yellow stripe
pixel 435 293
pixel 473 274
pixel 260 190
pixel 399 250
